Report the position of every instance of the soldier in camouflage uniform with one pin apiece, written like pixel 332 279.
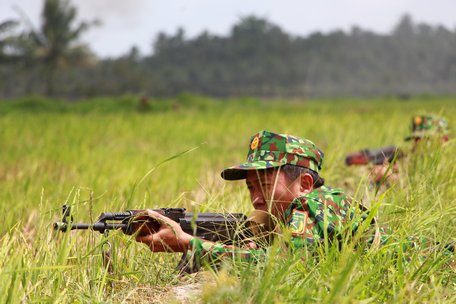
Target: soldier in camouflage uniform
pixel 282 175
pixel 424 129
pixel 428 126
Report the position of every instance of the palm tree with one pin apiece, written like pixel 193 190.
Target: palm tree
pixel 55 43
pixel 61 35
pixel 7 40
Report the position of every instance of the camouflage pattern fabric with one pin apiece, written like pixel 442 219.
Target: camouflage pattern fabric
pixel 427 126
pixel 270 150
pixel 307 217
pixel 214 253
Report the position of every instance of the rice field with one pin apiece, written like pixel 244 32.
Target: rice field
pixel 108 156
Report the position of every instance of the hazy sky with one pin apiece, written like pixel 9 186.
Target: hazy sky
pixel 137 22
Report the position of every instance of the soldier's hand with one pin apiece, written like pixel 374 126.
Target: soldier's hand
pixel 382 173
pixel 168 238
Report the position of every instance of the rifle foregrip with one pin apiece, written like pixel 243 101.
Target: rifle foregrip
pixel 358 158
pixel 142 227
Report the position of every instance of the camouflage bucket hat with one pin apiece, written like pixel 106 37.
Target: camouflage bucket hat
pixel 427 126
pixel 271 150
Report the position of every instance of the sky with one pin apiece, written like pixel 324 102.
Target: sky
pixel 125 23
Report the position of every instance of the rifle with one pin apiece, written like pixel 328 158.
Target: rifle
pixel 227 228
pixel 374 156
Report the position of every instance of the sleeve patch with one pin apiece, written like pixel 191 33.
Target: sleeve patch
pixel 298 222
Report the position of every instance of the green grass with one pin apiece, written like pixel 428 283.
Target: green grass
pixel 94 155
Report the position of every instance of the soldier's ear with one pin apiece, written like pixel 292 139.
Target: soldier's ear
pixel 306 182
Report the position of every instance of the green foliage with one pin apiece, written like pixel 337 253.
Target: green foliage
pixel 105 105
pixel 54 44
pixel 7 39
pixel 257 58
pixel 95 160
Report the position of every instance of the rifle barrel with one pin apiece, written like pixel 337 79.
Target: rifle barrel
pixel 101 227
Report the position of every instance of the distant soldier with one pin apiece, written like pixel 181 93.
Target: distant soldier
pixel 425 129
pixel 144 104
pixel 428 127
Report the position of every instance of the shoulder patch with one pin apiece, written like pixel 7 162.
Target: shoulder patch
pixel 298 222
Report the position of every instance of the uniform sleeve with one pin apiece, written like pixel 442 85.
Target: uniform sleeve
pixel 331 213
pixel 298 242
pixel 376 236
pixel 208 253
pixel 382 236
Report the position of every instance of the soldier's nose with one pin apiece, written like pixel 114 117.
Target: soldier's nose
pixel 258 202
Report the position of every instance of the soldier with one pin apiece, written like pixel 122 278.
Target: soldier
pixel 428 127
pixel 425 129
pixel 282 176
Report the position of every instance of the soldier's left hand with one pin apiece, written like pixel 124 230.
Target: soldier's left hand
pixel 168 238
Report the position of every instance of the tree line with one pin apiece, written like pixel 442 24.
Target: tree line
pixel 257 58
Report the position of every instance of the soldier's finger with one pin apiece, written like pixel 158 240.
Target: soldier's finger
pixel 158 245
pixel 157 216
pixel 146 239
pixel 252 245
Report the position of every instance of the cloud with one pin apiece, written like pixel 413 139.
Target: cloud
pixel 113 12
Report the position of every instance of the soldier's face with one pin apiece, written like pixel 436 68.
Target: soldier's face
pixel 271 190
pixel 422 141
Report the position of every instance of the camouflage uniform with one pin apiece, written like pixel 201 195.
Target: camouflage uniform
pixel 307 216
pixel 324 212
pixel 382 175
pixel 427 126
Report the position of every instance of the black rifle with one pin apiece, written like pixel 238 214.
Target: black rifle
pixel 374 156
pixel 228 228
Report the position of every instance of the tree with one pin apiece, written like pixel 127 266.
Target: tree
pixel 56 42
pixel 7 40
pixel 405 27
